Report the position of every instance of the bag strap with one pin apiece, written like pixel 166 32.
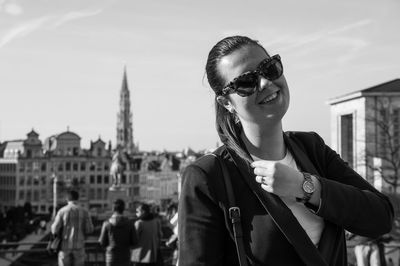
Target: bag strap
pixel 234 213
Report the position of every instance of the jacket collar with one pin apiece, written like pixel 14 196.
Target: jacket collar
pixel 279 212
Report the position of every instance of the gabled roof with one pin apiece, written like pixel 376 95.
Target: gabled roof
pixel 32 133
pixel 390 88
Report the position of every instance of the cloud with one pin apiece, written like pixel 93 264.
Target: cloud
pixel 12 9
pixel 74 16
pixel 24 29
pixel 50 21
pixel 322 35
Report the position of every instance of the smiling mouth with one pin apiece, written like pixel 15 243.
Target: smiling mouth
pixel 270 97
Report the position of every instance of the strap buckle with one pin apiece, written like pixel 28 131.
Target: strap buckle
pixel 234 213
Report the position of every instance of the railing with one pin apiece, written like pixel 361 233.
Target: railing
pixel 35 254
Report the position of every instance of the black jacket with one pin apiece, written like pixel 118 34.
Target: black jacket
pixel 272 235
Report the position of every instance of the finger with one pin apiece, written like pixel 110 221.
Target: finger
pixel 259 179
pixel 261 171
pixel 267 188
pixel 264 164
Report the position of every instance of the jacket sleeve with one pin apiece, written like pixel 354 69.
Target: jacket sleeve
pixel 88 225
pixel 201 228
pixel 57 224
pixel 133 239
pixel 103 239
pixel 350 201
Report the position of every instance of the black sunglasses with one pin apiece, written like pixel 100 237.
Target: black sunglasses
pixel 246 84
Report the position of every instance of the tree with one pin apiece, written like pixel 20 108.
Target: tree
pixel 382 152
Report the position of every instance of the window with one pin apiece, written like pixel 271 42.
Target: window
pixel 22 180
pixel 75 166
pixel 21 167
pixel 83 166
pixel 99 178
pixel 106 179
pixel 29 166
pixel 67 166
pixel 35 166
pixel 346 138
pixel 43 167
pixel 43 194
pixel 136 178
pixel 36 180
pixel 99 196
pixel 28 196
pixel 91 179
pixel 92 166
pixel 136 191
pixel 396 128
pixel 21 195
pixel 29 181
pixel 91 194
pixel 35 195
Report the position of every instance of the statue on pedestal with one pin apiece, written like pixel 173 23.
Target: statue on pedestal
pixel 116 170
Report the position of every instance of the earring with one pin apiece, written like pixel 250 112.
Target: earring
pixel 231 110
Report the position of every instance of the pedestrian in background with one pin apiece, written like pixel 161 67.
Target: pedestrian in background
pixel 74 221
pixel 148 229
pixel 118 236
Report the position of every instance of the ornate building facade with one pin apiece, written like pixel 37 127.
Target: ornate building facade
pixel 28 168
pixel 124 120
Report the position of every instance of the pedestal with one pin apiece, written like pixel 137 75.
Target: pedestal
pixel 117 192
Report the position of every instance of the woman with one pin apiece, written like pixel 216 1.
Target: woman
pixel 149 233
pixel 296 196
pixel 118 235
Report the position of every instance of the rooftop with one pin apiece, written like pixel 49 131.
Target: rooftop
pixel 387 88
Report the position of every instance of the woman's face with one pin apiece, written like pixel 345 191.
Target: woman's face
pixel 139 212
pixel 270 101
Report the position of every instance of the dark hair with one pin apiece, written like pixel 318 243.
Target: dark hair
pixel 146 213
pixel 228 127
pixel 72 195
pixel 119 206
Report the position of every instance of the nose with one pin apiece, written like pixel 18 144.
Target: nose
pixel 263 83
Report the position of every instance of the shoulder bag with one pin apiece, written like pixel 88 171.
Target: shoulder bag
pixel 234 214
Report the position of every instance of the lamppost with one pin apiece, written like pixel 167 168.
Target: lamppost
pixel 55 181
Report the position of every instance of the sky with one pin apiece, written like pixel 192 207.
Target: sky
pixel 62 62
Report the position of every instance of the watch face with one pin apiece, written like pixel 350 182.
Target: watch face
pixel 308 186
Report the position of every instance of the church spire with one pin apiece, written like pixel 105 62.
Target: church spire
pixel 124 119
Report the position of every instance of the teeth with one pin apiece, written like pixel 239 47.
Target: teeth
pixel 270 98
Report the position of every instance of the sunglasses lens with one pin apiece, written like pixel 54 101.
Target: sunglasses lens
pixel 245 85
pixel 272 70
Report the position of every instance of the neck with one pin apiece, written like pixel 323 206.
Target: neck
pixel 264 142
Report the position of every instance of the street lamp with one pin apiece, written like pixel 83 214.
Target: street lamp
pixel 55 181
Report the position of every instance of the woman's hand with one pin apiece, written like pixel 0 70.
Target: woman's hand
pixel 279 178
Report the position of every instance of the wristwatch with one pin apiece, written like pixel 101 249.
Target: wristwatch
pixel 308 188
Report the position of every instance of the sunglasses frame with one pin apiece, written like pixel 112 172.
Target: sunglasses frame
pixel 231 87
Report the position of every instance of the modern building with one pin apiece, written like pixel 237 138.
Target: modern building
pixel 365 128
